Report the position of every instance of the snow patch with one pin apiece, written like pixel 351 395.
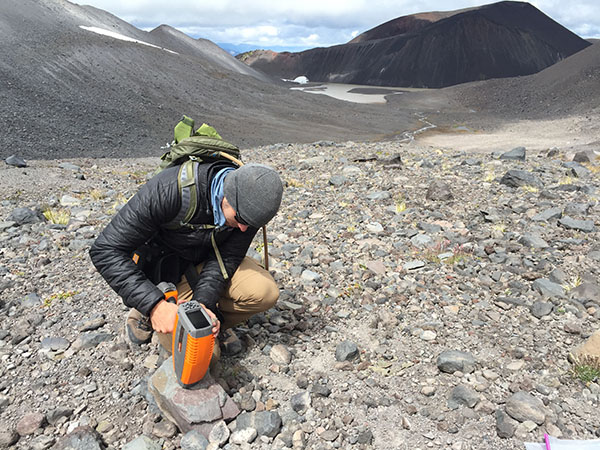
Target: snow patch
pixel 122 37
pixel 300 80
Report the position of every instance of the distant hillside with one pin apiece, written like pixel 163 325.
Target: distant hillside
pixel 70 91
pixel 236 49
pixel 503 39
pixel 572 86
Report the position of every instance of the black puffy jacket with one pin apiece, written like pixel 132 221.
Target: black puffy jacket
pixel 143 219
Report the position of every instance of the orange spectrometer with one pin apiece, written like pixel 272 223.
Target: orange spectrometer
pixel 193 343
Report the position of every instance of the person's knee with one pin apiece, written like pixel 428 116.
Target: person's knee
pixel 269 294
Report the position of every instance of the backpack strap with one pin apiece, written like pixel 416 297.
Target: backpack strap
pixel 186 182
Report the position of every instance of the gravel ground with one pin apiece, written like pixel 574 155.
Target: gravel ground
pixel 388 255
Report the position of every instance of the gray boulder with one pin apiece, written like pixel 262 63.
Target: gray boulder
pixel 505 425
pixel 266 423
pixel 16 161
pixel 585 226
pixel 439 191
pixel 517 178
pixel 532 240
pixel 21 216
pixel 346 351
pixel 523 406
pixel 548 289
pixel 516 154
pixel 463 396
pixel 541 309
pixel 82 438
pixel 451 361
pixel 548 214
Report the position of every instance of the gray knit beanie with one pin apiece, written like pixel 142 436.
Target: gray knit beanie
pixel 254 191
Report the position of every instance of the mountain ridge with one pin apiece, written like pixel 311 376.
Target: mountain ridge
pixel 69 91
pixel 502 39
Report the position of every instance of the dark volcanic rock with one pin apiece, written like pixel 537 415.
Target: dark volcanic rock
pixel 520 41
pixel 22 216
pixel 450 361
pixel 516 154
pixel 587 226
pixel 505 425
pixel 346 351
pixel 523 406
pixel 266 423
pixel 439 190
pixel 516 178
pixel 81 438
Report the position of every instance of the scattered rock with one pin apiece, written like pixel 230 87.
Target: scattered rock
pixel 534 241
pixel 439 191
pixel 200 408
pixel 300 402
pixel 56 414
pixel 516 154
pixel 194 440
pixel 463 396
pixel 91 340
pixel 30 423
pixel 505 425
pixel 84 438
pixel 69 166
pixel 22 216
pixel 230 343
pixel 31 300
pixel 541 309
pixel 8 437
pixel 16 161
pixel 517 178
pixel 548 215
pixel 400 277
pixel 523 406
pixel 586 226
pixel 142 443
pixel 548 289
pixel 451 361
pixel 266 423
pixel 243 436
pixel 346 351
pixel 219 434
pixel 280 354
pixel 589 351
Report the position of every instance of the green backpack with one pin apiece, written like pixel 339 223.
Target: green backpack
pixel 189 148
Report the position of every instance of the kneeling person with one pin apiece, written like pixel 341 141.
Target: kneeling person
pixel 205 258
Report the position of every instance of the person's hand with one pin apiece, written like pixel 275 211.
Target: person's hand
pixel 216 324
pixel 163 316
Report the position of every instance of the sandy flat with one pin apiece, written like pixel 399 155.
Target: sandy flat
pixel 568 134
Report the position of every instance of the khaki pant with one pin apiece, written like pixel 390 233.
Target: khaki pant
pixel 250 290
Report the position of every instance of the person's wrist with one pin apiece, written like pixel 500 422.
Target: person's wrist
pixel 156 306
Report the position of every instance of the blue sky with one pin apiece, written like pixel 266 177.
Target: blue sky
pixel 310 23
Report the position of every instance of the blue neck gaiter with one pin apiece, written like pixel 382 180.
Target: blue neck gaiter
pixel 216 195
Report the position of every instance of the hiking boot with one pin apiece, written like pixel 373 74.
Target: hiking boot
pixel 138 328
